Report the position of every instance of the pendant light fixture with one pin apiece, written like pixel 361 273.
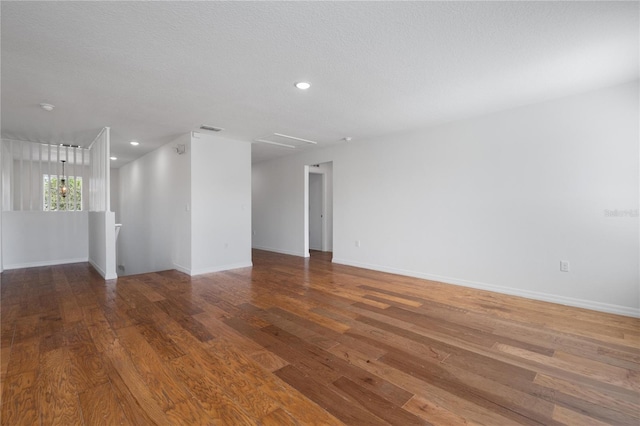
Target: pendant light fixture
pixel 63 182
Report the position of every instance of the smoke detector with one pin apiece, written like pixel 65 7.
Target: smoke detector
pixel 47 107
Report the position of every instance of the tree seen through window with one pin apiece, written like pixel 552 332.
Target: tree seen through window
pixel 52 201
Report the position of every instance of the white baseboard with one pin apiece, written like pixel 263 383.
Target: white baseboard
pixel 45 263
pixel 291 253
pixel 182 269
pixel 221 268
pixel 102 272
pixel 545 297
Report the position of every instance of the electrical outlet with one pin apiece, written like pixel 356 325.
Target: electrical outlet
pixel 357 243
pixel 564 265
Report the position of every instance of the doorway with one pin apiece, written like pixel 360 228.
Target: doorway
pixel 319 207
pixel 316 216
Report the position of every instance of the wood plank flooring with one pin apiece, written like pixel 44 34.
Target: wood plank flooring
pixel 297 341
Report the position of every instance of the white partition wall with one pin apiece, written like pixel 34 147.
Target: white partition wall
pixel 40 227
pixel 102 237
pixel 102 243
pixel 33 238
pixel 5 171
pixel 99 192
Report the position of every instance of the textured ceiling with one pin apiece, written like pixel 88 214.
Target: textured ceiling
pixel 155 70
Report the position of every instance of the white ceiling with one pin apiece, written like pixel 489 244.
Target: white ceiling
pixel 155 70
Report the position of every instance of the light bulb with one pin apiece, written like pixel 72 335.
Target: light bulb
pixel 63 188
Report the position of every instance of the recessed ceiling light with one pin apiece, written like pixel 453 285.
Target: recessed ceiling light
pixel 114 158
pixel 134 143
pixel 47 107
pixel 303 85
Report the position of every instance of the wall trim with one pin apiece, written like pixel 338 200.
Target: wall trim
pixel 45 263
pixel 221 268
pixel 290 253
pixel 102 272
pixel 545 297
pixel 182 269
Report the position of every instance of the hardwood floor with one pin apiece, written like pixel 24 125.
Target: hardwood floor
pixel 304 342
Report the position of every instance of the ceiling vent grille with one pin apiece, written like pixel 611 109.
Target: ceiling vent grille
pixel 285 141
pixel 211 128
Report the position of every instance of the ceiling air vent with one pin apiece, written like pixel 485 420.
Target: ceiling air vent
pixel 285 140
pixel 211 128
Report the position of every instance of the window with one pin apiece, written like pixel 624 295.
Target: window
pixel 52 201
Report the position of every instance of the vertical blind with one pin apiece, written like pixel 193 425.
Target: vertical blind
pixel 99 188
pixel 28 166
pixel 31 174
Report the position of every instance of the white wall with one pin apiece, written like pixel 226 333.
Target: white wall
pixel 33 238
pixel 102 241
pixel 220 203
pixel 327 170
pixel 316 195
pixel 154 195
pixel 493 202
pixel 278 204
pixel 2 173
pixel 114 188
pixel 191 212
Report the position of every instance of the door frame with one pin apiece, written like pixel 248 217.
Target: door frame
pixel 308 169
